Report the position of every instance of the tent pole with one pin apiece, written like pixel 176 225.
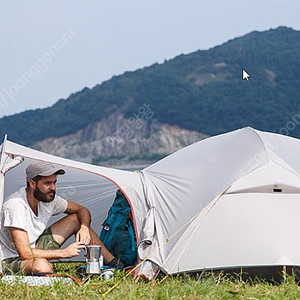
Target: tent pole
pixel 1 169
pixel 3 151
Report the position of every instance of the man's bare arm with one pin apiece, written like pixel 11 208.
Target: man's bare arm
pixel 21 240
pixel 84 217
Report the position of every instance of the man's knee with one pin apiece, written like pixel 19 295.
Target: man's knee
pixel 39 265
pixel 64 228
pixel 42 265
pixel 72 221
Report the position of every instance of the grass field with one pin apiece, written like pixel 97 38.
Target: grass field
pixel 202 286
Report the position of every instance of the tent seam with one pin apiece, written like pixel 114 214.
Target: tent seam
pixel 262 141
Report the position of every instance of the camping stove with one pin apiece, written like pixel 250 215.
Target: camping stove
pixel 93 253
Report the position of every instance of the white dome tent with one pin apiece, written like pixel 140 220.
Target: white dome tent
pixel 228 201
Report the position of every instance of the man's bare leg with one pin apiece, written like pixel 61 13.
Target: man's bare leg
pixel 107 256
pixel 38 265
pixel 69 225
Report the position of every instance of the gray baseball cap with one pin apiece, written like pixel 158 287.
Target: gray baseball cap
pixel 42 168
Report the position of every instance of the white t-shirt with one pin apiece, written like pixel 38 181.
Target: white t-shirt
pixel 16 212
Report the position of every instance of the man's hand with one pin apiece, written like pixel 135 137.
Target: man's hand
pixel 73 249
pixel 83 235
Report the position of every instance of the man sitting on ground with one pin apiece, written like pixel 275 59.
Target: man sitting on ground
pixel 26 243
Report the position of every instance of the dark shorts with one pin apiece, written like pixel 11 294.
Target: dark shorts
pixel 45 241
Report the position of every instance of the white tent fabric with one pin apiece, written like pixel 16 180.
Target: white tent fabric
pixel 228 186
pixel 228 201
pixel 7 162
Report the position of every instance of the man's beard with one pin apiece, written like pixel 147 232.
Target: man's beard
pixel 39 195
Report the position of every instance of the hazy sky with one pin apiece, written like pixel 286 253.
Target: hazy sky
pixel 52 48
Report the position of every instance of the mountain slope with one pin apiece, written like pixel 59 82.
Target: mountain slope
pixel 120 142
pixel 201 91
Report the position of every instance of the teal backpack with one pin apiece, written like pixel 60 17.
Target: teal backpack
pixel 118 233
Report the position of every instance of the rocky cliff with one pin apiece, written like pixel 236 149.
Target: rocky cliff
pixel 120 142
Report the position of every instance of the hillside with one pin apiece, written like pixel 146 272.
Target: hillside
pixel 120 142
pixel 201 91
